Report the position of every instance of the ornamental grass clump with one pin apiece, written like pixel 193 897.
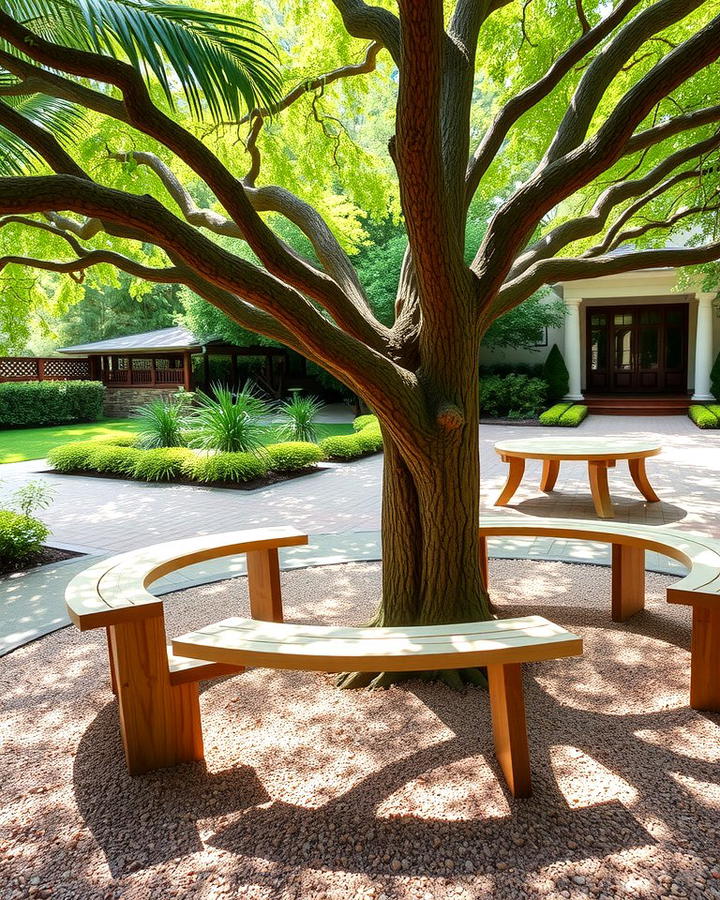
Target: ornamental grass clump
pixel 299 419
pixel 229 422
pixel 162 424
pixel 293 456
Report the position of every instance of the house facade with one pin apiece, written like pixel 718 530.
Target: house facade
pixel 633 336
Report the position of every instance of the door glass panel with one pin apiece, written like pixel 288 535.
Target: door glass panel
pixel 674 317
pixel 598 349
pixel 623 346
pixel 597 320
pixel 673 348
pixel 648 347
pixel 623 318
pixel 650 317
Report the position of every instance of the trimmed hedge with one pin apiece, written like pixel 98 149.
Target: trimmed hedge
pixel 361 421
pixel 73 456
pixel 565 415
pixel 159 463
pixel 112 459
pixel 705 416
pixel 28 404
pixel 21 537
pixel 293 456
pixel 368 439
pixel 515 396
pixel 226 467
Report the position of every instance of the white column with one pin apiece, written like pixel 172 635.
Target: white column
pixel 572 349
pixel 704 347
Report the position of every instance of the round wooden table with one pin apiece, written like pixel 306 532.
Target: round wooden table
pixel 600 454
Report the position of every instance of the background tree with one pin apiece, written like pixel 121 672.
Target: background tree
pixel 581 124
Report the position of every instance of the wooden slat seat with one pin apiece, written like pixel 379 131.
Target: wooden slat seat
pixel 699 588
pixel 157 690
pixel 501 645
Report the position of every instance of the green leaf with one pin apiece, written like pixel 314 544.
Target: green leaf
pixel 223 64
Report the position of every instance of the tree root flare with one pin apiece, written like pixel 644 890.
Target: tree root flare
pixel 457 679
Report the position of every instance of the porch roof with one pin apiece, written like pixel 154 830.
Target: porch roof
pixel 162 341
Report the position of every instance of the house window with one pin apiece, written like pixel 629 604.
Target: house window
pixel 542 339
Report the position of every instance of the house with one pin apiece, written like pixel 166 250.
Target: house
pixel 634 342
pixel 140 367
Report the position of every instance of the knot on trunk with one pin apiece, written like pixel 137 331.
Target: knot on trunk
pixel 450 416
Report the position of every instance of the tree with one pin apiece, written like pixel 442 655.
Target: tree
pixel 583 125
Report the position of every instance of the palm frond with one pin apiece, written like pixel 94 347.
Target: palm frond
pixel 59 117
pixel 222 63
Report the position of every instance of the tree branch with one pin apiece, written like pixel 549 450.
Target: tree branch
pixel 550 271
pixel 372 23
pixel 147 118
pixel 522 102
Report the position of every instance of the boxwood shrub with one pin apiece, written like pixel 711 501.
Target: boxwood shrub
pixel 73 456
pixel 160 463
pixel 515 396
pixel 565 415
pixel 703 416
pixel 27 404
pixel 293 456
pixel 112 459
pixel 225 466
pixel 21 537
pixel 367 439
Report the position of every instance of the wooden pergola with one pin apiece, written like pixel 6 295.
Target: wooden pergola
pixel 164 358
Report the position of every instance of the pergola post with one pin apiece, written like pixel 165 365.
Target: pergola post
pixel 187 371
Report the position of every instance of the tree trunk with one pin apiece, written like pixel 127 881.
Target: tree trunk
pixel 431 567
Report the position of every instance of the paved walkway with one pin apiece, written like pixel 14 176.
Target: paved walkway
pixel 339 507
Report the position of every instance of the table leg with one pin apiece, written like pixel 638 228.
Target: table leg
pixel 550 470
pixel 598 474
pixel 639 476
pixel 517 468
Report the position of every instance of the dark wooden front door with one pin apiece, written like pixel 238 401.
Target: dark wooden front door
pixel 637 349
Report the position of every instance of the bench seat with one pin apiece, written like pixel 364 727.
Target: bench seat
pixel 246 642
pixel 157 690
pixel 698 588
pixel 501 646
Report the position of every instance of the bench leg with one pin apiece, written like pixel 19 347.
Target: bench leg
pixel 705 659
pixel 598 475
pixel 628 581
pixel 515 474
pixel 159 722
pixel 111 662
pixel 483 560
pixel 263 568
pixel 509 725
pixel 550 470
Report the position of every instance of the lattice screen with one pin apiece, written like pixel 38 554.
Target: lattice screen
pixel 22 369
pixel 67 368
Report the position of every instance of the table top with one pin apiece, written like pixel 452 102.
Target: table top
pixel 578 448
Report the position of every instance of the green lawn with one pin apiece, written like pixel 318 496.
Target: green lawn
pixel 17 445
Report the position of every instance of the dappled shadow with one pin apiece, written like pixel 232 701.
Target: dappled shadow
pixel 164 805
pixel 568 505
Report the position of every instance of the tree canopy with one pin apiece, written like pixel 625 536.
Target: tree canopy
pixel 183 146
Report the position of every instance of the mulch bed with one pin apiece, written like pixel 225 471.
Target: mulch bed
pixel 311 793
pixel 45 557
pixel 253 485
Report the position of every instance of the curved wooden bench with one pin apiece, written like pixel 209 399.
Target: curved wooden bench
pixel 501 645
pixel 700 588
pixel 157 691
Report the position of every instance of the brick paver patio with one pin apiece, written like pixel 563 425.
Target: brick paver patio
pixel 107 516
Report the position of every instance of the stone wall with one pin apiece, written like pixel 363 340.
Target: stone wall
pixel 121 402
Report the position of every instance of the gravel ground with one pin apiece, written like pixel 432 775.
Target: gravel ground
pixel 311 792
